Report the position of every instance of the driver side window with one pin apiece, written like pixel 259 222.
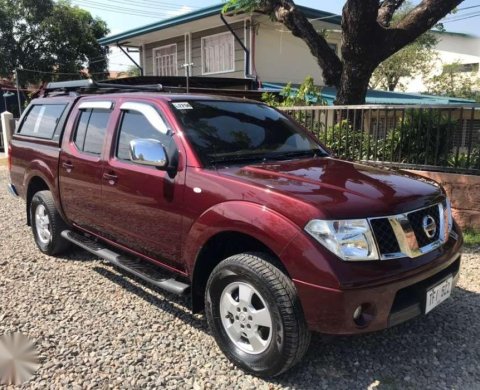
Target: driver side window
pixel 135 125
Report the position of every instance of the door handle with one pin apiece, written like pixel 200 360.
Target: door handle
pixel 68 166
pixel 111 178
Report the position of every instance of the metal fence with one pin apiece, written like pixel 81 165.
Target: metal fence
pixel 437 138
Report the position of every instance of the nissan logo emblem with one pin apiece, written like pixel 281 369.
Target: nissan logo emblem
pixel 429 226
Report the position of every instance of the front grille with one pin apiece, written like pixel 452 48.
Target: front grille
pixel 386 239
pixel 403 235
pixel 416 220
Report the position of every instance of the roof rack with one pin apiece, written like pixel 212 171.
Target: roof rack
pixel 89 85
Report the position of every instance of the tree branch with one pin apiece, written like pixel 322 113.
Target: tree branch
pixel 386 10
pixel 420 20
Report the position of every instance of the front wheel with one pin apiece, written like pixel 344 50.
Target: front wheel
pixel 254 313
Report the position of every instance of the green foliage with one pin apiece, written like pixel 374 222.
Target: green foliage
pixel 244 5
pixel 420 139
pixel 307 94
pixel 471 238
pixel 132 71
pixel 351 144
pixel 462 160
pixel 347 143
pixel 49 36
pixel 453 82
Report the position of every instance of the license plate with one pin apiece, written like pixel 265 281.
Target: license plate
pixel 438 294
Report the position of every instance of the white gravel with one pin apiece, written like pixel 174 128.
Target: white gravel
pixel 99 328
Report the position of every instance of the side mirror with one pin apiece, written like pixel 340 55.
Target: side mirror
pixel 148 152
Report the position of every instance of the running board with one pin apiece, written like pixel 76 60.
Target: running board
pixel 141 268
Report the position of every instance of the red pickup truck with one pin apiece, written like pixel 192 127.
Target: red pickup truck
pixel 234 203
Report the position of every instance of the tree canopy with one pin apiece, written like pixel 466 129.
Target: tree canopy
pixel 368 36
pixel 49 37
pixel 455 81
pixel 415 59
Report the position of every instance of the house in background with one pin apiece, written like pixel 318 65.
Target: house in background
pixel 252 46
pixel 238 46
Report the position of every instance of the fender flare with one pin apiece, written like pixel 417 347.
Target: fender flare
pixel 265 225
pixel 38 168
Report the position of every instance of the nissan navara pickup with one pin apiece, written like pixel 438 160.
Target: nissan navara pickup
pixel 236 204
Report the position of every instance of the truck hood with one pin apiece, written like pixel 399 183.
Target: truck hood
pixel 340 189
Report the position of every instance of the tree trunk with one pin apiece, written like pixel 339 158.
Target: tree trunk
pixel 354 83
pixel 359 43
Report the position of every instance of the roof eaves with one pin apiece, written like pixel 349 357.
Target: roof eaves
pixel 459 34
pixel 310 13
pixel 165 23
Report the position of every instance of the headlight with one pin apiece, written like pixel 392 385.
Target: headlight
pixel 351 240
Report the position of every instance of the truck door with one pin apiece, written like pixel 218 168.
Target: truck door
pixel 81 165
pixel 142 204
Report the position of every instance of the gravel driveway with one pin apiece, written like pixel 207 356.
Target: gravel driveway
pixel 99 328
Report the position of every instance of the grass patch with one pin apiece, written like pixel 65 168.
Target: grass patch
pixel 471 237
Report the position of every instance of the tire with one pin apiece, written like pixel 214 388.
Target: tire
pixel 238 292
pixel 47 224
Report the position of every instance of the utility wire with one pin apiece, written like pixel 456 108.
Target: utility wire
pixel 156 7
pixel 151 3
pixel 464 8
pixel 123 9
pixel 91 7
pixel 133 5
pixel 462 18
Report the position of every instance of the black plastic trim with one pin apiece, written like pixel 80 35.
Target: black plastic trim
pixel 139 268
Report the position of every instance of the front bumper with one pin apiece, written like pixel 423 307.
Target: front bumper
pixel 331 311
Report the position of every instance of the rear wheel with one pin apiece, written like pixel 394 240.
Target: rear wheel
pixel 47 224
pixel 255 315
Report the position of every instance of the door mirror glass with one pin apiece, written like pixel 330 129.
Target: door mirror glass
pixel 148 152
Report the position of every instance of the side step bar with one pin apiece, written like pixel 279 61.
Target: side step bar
pixel 142 269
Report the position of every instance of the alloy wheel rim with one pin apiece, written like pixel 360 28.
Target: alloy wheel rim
pixel 246 317
pixel 42 224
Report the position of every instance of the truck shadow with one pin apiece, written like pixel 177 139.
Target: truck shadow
pixel 179 306
pixel 441 349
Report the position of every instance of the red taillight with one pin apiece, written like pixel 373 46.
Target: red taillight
pixel 9 157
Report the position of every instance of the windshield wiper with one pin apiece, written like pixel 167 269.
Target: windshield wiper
pixel 237 159
pixel 297 153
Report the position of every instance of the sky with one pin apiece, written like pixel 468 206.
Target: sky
pixel 124 15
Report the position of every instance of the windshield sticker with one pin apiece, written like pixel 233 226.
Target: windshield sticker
pixel 182 106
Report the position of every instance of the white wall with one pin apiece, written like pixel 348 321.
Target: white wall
pixel 280 57
pixel 450 48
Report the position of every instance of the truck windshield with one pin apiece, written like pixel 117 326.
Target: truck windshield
pixel 237 132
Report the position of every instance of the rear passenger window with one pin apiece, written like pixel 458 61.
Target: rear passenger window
pixel 42 120
pixel 135 125
pixel 91 130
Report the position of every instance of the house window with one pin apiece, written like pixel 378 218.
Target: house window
pixel 461 68
pixel 218 53
pixel 165 60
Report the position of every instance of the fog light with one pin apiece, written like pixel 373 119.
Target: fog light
pixel 364 314
pixel 357 313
